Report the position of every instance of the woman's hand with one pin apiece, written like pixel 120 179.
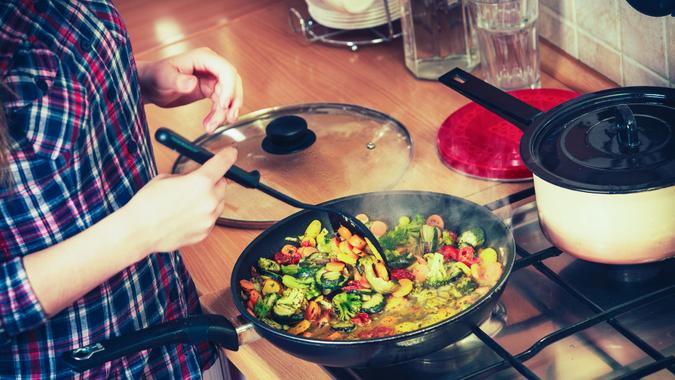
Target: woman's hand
pixel 172 211
pixel 191 76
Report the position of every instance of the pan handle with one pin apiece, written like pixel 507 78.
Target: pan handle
pixel 519 113
pixel 193 329
pixel 183 146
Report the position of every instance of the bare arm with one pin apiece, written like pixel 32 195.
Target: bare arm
pixel 65 272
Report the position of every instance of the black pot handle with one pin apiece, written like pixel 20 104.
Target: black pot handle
pixel 193 330
pixel 519 113
pixel 180 144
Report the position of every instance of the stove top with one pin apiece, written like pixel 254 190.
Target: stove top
pixel 560 318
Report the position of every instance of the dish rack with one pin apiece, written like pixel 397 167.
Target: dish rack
pixel 352 39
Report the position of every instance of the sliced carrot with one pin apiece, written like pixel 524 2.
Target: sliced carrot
pixel 313 311
pixel 301 327
pixel 435 220
pixel 334 336
pixel 306 251
pixel 246 285
pixel 362 217
pixel 344 233
pixel 357 242
pixel 378 228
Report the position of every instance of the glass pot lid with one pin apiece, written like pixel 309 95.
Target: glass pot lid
pixel 614 141
pixel 313 152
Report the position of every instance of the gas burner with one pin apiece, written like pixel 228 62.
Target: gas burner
pixel 635 273
pixel 614 284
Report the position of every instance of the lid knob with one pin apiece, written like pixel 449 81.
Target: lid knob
pixel 627 129
pixel 287 134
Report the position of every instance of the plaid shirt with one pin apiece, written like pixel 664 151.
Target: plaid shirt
pixel 79 151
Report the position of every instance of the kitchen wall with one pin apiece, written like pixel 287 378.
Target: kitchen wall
pixel 613 38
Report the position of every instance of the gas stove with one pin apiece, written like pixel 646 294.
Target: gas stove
pixel 559 318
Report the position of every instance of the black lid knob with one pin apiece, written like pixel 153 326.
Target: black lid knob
pixel 287 134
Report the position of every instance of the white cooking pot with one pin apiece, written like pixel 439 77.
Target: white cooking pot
pixel 603 166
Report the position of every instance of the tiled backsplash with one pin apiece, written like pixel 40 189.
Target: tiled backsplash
pixel 613 38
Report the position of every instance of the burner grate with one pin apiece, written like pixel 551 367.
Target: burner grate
pixel 536 260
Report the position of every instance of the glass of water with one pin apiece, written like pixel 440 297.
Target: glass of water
pixel 508 42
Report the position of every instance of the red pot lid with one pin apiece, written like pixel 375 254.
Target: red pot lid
pixel 476 142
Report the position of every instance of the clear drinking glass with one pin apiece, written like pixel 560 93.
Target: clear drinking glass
pixel 508 42
pixel 437 37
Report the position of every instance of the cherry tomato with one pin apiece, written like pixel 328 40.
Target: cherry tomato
pixel 466 256
pixel 449 253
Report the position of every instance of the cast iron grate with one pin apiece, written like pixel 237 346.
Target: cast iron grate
pixel 602 315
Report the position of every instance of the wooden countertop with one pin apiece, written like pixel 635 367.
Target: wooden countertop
pixel 280 68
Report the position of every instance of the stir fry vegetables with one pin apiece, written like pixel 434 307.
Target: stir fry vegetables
pixel 332 285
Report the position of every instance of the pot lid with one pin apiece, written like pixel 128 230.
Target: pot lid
pixel 477 142
pixel 614 141
pixel 312 152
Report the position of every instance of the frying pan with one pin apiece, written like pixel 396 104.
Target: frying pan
pixel 387 206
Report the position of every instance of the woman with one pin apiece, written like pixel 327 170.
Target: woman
pixel 82 209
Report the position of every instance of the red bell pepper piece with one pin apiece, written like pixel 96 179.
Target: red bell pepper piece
pixel 361 319
pixel 402 273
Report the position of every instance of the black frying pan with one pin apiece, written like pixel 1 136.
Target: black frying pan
pixel 387 206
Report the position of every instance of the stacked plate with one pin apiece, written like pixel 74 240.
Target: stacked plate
pixel 375 15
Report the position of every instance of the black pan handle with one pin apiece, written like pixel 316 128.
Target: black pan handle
pixel 519 113
pixel 180 144
pixel 193 330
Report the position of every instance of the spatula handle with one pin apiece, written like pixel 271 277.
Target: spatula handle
pixel 180 144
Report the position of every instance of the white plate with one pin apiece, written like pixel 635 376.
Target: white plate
pixel 375 16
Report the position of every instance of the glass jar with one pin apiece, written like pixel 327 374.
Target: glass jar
pixel 437 37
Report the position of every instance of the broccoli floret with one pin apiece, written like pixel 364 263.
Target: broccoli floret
pixel 465 285
pixel 405 231
pixel 269 265
pixel 437 274
pixel 393 239
pixel 346 305
pixel 399 260
pixel 263 307
pixel 474 237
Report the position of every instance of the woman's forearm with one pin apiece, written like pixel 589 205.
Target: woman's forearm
pixel 62 273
